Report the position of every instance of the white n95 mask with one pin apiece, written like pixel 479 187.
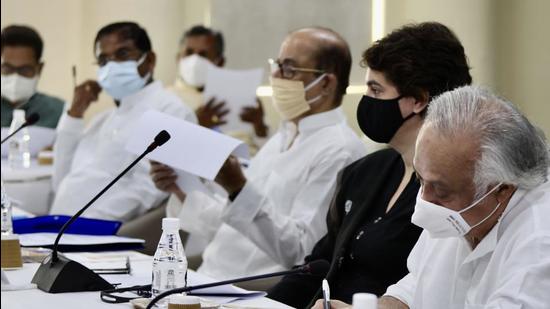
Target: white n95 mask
pixel 121 79
pixel 17 88
pixel 442 222
pixel 193 70
pixel 289 96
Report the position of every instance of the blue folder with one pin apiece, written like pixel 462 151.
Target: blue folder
pixel 53 224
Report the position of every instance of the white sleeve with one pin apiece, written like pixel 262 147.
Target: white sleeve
pixel 288 237
pixel 199 214
pixel 69 133
pixel 524 281
pixel 405 289
pixel 138 196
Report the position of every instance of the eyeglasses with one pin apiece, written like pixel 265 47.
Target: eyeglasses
pixel 26 70
pixel 122 54
pixel 288 70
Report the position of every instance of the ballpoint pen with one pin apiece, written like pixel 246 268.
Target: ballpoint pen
pixel 74 75
pixel 326 294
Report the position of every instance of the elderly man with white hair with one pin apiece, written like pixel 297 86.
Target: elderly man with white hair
pixel 484 204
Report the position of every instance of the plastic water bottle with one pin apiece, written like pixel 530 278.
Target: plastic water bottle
pixel 169 262
pixel 18 145
pixel 364 301
pixel 7 224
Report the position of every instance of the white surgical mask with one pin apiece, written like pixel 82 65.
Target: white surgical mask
pixel 17 88
pixel 193 70
pixel 289 96
pixel 442 222
pixel 121 79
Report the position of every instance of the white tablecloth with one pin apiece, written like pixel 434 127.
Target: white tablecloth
pixel 31 188
pixel 141 266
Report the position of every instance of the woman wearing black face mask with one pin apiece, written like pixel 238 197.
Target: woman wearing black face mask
pixel 369 230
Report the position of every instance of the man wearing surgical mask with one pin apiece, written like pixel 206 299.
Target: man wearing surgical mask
pixel 21 67
pixel 201 47
pixel 268 218
pixel 484 205
pixel 85 159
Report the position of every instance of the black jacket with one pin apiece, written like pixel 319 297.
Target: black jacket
pixel 364 188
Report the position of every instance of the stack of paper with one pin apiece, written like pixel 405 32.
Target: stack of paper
pixel 75 242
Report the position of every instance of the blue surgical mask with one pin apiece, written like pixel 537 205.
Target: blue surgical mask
pixel 121 79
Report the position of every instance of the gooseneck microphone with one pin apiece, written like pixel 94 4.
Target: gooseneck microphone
pixel 316 268
pixel 29 121
pixel 57 274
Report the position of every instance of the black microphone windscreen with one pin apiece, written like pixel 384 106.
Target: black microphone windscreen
pixel 162 138
pixel 317 268
pixel 32 119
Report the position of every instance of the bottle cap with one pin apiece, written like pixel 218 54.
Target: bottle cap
pixel 19 114
pixel 181 299
pixel 365 301
pixel 170 224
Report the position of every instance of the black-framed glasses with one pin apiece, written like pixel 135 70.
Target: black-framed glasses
pixel 288 70
pixel 25 70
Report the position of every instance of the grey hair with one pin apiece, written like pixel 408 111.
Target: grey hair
pixel 512 150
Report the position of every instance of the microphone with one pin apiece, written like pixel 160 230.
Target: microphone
pixel 29 121
pixel 58 274
pixel 316 268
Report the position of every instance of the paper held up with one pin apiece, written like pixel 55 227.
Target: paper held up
pixel 237 88
pixel 193 149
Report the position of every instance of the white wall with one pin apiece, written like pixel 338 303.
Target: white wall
pixel 507 41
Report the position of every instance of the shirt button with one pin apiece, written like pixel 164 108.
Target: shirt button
pixel 377 220
pixel 359 235
pixel 340 260
pixel 351 256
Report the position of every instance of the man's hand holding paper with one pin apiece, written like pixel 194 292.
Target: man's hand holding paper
pixel 193 151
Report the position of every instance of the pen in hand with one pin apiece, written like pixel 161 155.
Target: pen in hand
pixel 326 294
pixel 74 75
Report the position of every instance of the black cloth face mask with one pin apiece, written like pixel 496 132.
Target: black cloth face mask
pixel 380 119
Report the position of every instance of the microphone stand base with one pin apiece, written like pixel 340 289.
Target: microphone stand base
pixel 66 275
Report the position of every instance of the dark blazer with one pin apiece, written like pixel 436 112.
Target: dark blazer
pixel 362 194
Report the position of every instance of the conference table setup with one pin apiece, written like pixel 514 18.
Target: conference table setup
pixel 24 294
pixel 59 272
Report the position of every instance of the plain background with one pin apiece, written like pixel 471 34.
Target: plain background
pixel 507 41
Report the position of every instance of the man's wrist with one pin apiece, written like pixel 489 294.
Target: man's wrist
pixel 74 114
pixel 235 190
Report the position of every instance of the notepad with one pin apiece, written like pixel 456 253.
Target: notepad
pixel 79 243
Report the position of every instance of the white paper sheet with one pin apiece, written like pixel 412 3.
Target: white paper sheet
pixel 40 138
pixel 195 279
pixel 191 148
pixel 237 88
pixel 48 239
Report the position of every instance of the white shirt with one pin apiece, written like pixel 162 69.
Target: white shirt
pixel 280 213
pixel 86 160
pixel 509 268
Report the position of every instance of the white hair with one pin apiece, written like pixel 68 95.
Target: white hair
pixel 512 150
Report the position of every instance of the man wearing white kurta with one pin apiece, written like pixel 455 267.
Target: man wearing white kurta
pixel 268 219
pixel 484 207
pixel 87 159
